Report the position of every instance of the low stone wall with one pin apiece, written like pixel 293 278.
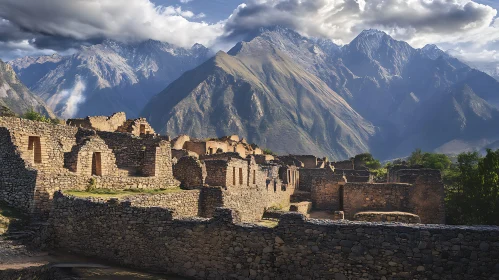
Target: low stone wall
pixel 182 203
pixel 399 217
pixel 220 248
pixel 359 197
pixel 303 207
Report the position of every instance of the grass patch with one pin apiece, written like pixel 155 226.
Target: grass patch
pixel 107 193
pixel 10 217
pixel 268 223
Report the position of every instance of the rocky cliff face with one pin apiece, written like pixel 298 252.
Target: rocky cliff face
pixel 15 96
pixel 108 77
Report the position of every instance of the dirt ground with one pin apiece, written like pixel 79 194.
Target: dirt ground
pixel 14 255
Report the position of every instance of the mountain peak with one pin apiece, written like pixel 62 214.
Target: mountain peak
pixel 432 51
pixel 372 32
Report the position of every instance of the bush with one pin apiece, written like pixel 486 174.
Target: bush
pixel 268 152
pixel 92 185
pixel 35 116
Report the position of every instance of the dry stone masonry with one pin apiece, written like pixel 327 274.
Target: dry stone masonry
pixel 196 230
pixel 298 248
pixel 41 158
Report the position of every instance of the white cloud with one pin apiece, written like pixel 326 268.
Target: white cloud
pixel 417 21
pixel 185 1
pixel 129 20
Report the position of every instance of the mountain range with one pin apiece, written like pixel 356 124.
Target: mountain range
pixel 286 92
pixel 107 77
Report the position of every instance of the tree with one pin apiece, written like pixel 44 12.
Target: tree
pixel 473 196
pixel 368 161
pixel 429 160
pixel 416 158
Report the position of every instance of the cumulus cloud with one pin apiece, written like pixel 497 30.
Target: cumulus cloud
pixel 417 21
pixel 130 20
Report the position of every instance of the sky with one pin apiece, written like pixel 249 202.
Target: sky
pixel 467 29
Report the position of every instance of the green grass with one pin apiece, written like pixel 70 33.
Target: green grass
pixel 107 193
pixel 9 216
pixel 268 223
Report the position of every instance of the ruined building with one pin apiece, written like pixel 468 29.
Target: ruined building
pixel 39 158
pixel 114 153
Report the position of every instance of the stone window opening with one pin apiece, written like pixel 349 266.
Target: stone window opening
pixel 240 176
pixel 97 164
pixel 142 129
pixel 210 151
pixel 35 146
pixel 233 176
pixel 275 186
pixel 289 176
pixel 254 177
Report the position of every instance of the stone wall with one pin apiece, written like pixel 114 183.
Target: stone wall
pixel 220 248
pixel 424 198
pixel 101 123
pixel 141 156
pixel 136 127
pixel 327 192
pixel 184 203
pixel 399 217
pixel 308 161
pixel 346 164
pixel 307 176
pixel 360 197
pixel 17 183
pixel 216 171
pixel 190 172
pixel 91 157
pixel 41 158
pixel 178 143
pixel 355 176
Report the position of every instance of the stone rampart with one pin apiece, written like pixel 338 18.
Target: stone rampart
pixel 298 248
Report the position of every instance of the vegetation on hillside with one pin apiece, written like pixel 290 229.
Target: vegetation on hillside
pixel 35 116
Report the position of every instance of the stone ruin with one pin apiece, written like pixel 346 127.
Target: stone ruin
pixel 114 123
pixel 197 231
pixel 39 159
pixel 115 153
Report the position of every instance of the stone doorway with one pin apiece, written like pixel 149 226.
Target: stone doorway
pixel 35 147
pixel 142 129
pixel 97 164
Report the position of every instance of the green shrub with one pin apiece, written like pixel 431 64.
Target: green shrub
pixel 92 185
pixel 268 152
pixel 35 116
